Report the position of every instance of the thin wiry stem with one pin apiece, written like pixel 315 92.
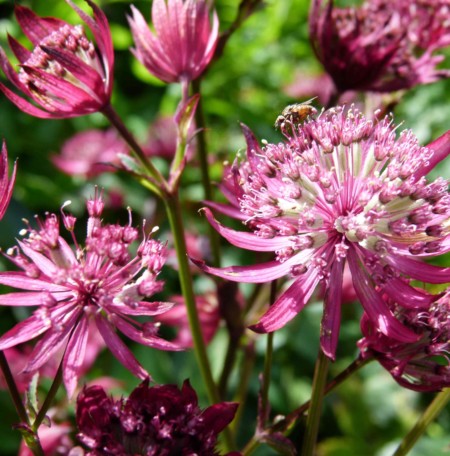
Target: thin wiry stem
pixel 315 408
pixel 438 403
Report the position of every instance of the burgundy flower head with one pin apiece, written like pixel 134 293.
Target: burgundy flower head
pixel 158 420
pixel 381 45
pixel 65 75
pixel 184 42
pixel 6 183
pixel 340 189
pixel 100 283
pixel 423 365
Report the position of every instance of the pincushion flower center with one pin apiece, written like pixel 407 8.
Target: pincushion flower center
pixel 354 227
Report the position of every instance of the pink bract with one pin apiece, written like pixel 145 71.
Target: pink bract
pixel 6 183
pixel 340 189
pixel 183 43
pixel 423 365
pixel 99 284
pixel 381 45
pixel 65 75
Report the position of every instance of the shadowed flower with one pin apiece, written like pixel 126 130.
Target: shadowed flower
pixel 380 45
pixel 162 139
pixel 90 153
pixel 64 74
pixel 159 420
pixel 100 282
pixel 423 365
pixel 341 189
pixel 177 317
pixel 183 43
pixel 6 183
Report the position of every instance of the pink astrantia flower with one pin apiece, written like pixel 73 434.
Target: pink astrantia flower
pixel 64 74
pixel 381 45
pixel 90 153
pixel 100 283
pixel 159 420
pixel 423 365
pixel 340 189
pixel 6 183
pixel 184 42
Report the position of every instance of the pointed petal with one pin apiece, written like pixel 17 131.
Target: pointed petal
pixel 81 70
pixel 53 340
pixel 27 107
pixel 119 349
pixel 24 299
pixel 65 96
pixel 10 73
pixel 408 296
pixel 74 356
pixel 6 185
pixel 258 273
pixel 36 28
pixel 419 270
pixel 226 209
pixel 441 149
pixel 331 319
pixel 144 308
pixel 219 416
pixel 289 304
pixel 24 331
pixel 139 337
pixel 246 240
pixel 22 281
pixel 45 265
pixel 376 308
pixel 22 53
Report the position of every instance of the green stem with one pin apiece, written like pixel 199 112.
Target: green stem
pixel 49 399
pixel 288 421
pixel 202 153
pixel 315 409
pixel 174 214
pixel 264 412
pixel 12 387
pixel 432 411
pixel 153 172
pixel 29 435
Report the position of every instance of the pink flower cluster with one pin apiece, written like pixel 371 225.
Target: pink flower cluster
pixel 100 282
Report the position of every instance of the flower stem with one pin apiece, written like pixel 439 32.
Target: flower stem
pixel 13 391
pixel 286 423
pixel 265 408
pixel 202 153
pixel 315 409
pixel 174 214
pixel 438 403
pixel 49 399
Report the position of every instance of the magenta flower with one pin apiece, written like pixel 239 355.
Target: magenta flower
pixel 184 42
pixel 90 153
pixel 158 420
pixel 381 45
pixel 65 75
pixel 100 283
pixel 423 365
pixel 341 189
pixel 6 183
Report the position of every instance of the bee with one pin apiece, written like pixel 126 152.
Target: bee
pixel 295 113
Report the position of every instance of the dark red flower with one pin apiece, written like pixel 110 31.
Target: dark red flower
pixel 158 420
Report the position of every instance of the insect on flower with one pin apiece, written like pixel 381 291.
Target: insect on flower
pixel 296 113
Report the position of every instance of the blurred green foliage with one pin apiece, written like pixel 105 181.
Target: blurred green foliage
pixel 370 413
